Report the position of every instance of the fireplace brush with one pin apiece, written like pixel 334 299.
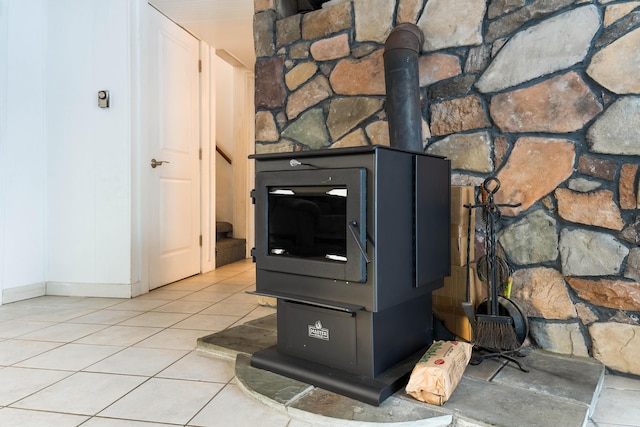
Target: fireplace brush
pixel 493 330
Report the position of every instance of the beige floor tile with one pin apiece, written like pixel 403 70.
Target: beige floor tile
pixel 106 317
pixel 241 297
pixel 19 417
pixel 255 314
pixel 17 327
pixel 621 383
pixel 110 422
pixel 98 303
pixel 237 267
pixel 164 400
pixel 82 393
pixel 224 411
pixel 204 296
pixel 138 361
pixel 230 270
pixel 218 273
pixel 176 339
pixel 617 407
pixel 48 301
pixel 239 280
pixel 250 273
pixel 165 294
pixel 262 311
pixel 70 357
pixel 22 312
pixel 198 366
pixel 183 306
pixel 139 304
pixel 230 308
pixel 210 322
pixel 193 283
pixel 14 351
pixel 120 335
pixel 299 423
pixel 62 332
pixel 231 288
pixel 18 383
pixel 6 315
pixel 155 319
pixel 59 314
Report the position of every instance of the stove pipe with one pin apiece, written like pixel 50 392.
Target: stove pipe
pixel 401 52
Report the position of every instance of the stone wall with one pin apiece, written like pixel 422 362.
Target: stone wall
pixel 545 94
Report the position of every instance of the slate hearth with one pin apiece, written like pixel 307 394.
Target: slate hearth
pixel 558 390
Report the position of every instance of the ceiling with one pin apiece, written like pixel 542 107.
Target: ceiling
pixel 223 24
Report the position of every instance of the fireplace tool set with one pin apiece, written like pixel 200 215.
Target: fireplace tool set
pixel 499 326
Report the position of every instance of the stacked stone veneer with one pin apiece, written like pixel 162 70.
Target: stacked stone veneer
pixel 545 94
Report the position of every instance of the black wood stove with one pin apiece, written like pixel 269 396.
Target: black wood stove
pixel 351 242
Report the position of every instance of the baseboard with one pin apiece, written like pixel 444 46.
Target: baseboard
pixel 20 293
pixel 137 289
pixel 98 290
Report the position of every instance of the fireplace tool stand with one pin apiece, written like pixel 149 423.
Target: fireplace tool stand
pixel 499 326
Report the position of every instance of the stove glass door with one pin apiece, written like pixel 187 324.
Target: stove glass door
pixel 312 222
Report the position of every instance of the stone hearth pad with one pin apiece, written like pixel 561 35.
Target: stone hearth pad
pixel 558 390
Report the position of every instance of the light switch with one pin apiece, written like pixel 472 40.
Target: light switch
pixel 103 99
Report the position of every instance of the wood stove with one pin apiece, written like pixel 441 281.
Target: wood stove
pixel 351 242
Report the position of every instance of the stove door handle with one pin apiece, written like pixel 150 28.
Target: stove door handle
pixel 356 236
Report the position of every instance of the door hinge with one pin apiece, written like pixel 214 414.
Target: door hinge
pixel 200 154
pixel 199 65
pixel 201 240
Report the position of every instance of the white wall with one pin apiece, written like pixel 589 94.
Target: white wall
pixel 65 164
pixel 232 36
pixel 235 134
pixel 70 186
pixel 22 148
pixel 4 24
pixel 244 137
pixel 225 138
pixel 88 148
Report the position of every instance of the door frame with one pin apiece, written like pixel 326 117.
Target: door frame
pixel 208 158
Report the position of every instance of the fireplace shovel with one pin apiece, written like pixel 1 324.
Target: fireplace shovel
pixel 467 305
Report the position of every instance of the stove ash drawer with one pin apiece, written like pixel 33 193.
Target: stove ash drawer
pixel 319 334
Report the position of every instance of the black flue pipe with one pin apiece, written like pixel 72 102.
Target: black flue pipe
pixel 401 76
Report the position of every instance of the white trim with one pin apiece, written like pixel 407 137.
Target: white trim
pixel 138 289
pixel 139 257
pixel 99 290
pixel 251 149
pixel 20 293
pixel 4 56
pixel 207 129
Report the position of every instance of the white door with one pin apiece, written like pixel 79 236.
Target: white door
pixel 174 193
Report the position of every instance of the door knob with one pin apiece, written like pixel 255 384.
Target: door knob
pixel 155 163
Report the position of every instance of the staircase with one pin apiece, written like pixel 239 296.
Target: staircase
pixel 228 249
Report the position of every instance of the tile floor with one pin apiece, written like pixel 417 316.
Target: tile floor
pixel 100 362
